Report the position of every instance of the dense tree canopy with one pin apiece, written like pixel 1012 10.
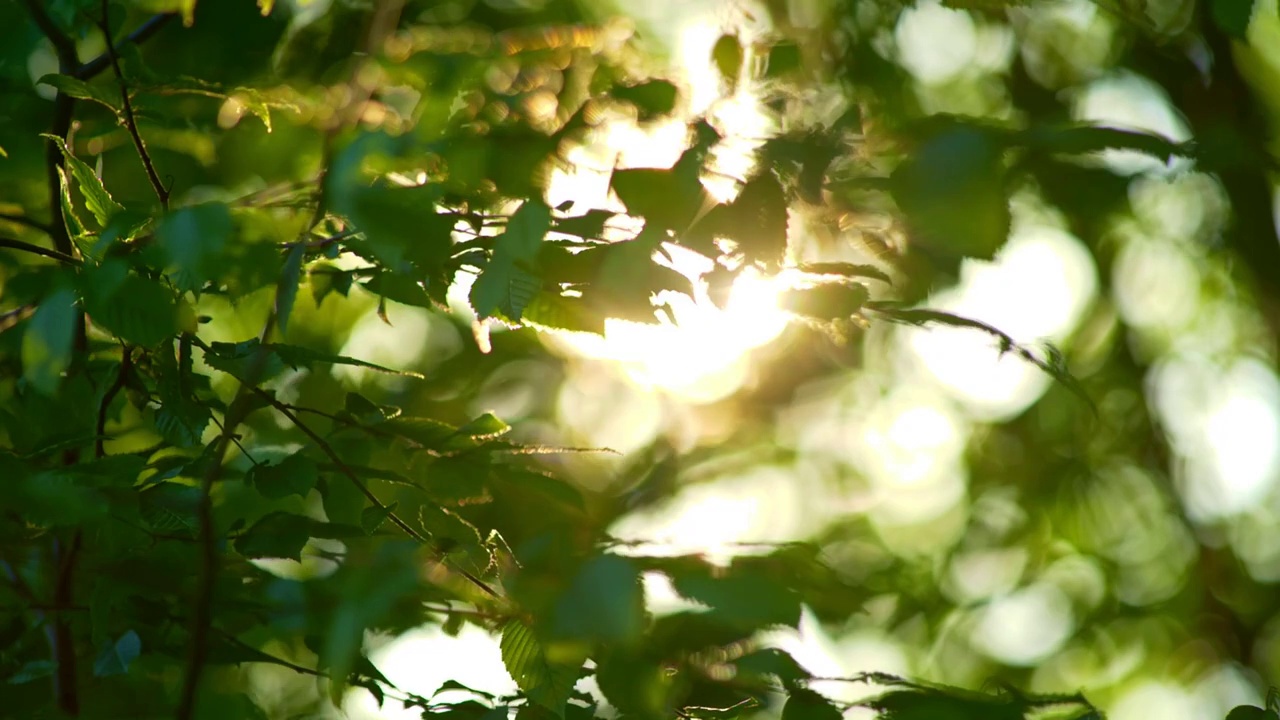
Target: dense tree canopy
pixel 702 359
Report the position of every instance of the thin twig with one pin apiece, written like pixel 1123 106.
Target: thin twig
pixel 24 246
pixel 236 439
pixel 153 25
pixel 63 105
pixel 364 489
pixel 126 365
pixel 130 121
pixel 26 221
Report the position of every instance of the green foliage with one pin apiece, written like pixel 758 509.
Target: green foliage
pixel 200 477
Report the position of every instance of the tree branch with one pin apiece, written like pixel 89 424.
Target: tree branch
pixel 24 246
pixel 26 221
pixel 153 25
pixel 130 121
pixel 126 364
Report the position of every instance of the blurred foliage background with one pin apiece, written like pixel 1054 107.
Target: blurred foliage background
pixel 1105 522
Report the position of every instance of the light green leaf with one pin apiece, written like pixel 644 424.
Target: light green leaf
pixel 295 475
pixel 277 535
pixel 485 427
pixel 544 682
pixel 297 356
pixel 48 341
pixel 195 240
pixel 116 657
pixel 96 197
pixel 77 88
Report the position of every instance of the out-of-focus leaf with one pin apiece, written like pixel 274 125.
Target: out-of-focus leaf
pixel 194 238
pixel 96 197
pixel 727 55
pixel 295 475
pixel 48 341
pixel 604 603
pixel 784 59
pixel 847 270
pixel 138 310
pixel 756 221
pixel 116 656
pixel 1080 139
pixel 804 704
pixel 546 683
pixel 171 508
pixel 396 287
pixel 739 598
pixel 1233 16
pixel 277 535
pixel 771 661
pixel 78 88
pixel 287 289
pixel 951 189
pixel 652 98
pixel 551 311
pixel 827 301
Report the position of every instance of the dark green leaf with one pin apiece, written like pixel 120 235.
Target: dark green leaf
pixel 277 535
pixel 828 301
pixel 48 341
pixel 135 309
pixel 194 240
pixel 295 475
pixel 1233 16
pixel 604 603
pixel 739 598
pixel 171 508
pixel 116 657
pixel 287 289
pixel 771 661
pixel 805 704
pixel 652 98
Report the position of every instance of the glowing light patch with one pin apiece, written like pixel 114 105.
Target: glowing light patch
pixel 1026 626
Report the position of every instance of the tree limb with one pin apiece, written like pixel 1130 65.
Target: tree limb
pixel 14 244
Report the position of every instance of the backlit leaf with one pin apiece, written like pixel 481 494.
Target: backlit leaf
pixel 277 535
pixel 48 340
pixel 546 683
pixel 96 197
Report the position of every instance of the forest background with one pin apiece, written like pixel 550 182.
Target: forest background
pixel 701 359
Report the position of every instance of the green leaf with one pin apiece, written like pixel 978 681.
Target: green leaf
pixel 551 311
pixel 287 289
pixel 484 427
pixel 952 192
pixel 32 671
pixel 77 88
pixel 771 661
pixel 325 278
pixel 194 239
pixel 739 598
pixel 295 475
pixel 804 704
pixel 1249 712
pixel 171 508
pixel 397 287
pixel 372 517
pixel 277 535
pixel 846 270
pixel 297 356
pixel 1082 139
pixel 1233 16
pixel 727 55
pixel 828 301
pixel 756 221
pixel 604 603
pixel 135 309
pixel 116 657
pixel 508 283
pixel 454 535
pixel 652 98
pixel 546 683
pixel 48 341
pixel 96 197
